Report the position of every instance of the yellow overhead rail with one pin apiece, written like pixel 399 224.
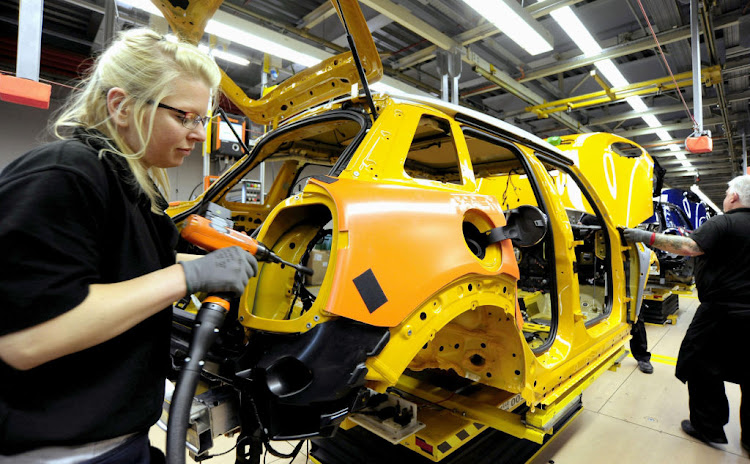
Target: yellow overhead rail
pixel 710 76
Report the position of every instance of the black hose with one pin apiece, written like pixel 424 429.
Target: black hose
pixel 207 324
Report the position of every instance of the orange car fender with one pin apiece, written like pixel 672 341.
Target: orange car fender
pixel 386 269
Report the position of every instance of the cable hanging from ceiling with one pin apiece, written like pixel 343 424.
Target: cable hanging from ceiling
pixel 664 58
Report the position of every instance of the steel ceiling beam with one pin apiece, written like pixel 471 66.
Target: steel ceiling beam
pixel 536 10
pixel 428 53
pixel 667 109
pixel 407 19
pixel 316 16
pixel 711 76
pixel 665 161
pixel 702 171
pixel 667 127
pixel 483 67
pixel 710 43
pixel 639 45
pixel 507 83
pixel 654 110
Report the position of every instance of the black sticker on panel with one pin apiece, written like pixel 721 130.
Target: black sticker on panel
pixel 444 446
pixel 370 291
pixel 478 425
pixel 462 435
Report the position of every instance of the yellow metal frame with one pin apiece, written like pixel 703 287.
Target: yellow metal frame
pixel 485 315
pixel 316 84
pixel 462 303
pixel 445 432
pixel 709 76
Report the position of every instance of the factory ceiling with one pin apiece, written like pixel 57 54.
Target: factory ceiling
pixel 421 40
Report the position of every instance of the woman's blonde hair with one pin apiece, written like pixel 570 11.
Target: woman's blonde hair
pixel 146 67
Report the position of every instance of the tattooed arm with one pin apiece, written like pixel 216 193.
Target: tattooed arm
pixel 684 246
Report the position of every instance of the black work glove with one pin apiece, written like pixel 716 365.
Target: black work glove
pixel 224 270
pixel 637 235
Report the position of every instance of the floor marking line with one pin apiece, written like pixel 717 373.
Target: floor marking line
pixel 660 359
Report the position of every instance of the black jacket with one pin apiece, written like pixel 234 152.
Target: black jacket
pixel 69 219
pixel 715 343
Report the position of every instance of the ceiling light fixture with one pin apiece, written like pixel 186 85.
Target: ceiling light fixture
pixel 578 33
pixel 226 56
pixel 695 189
pixel 226 30
pixel 511 19
pixel 216 53
pixel 255 42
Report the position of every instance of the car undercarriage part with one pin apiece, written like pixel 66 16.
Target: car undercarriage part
pixel 388 416
pixel 212 414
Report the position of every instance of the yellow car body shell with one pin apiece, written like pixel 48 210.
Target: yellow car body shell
pixel 438 293
pixel 445 307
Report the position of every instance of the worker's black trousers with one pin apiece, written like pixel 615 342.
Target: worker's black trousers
pixel 135 450
pixel 709 408
pixel 639 343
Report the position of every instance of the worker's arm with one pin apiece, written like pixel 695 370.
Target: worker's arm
pixel 107 311
pixel 684 246
pixel 111 309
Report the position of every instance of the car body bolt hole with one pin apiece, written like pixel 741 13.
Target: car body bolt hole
pixel 477 360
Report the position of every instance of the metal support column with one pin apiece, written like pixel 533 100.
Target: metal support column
pixel 744 155
pixel 449 66
pixel 696 55
pixel 110 17
pixel 29 39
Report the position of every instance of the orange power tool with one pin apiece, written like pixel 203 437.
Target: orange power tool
pixel 211 236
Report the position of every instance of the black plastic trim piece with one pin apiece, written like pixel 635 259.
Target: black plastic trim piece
pixel 324 179
pixel 304 385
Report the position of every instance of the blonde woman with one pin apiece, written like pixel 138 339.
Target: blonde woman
pixel 87 262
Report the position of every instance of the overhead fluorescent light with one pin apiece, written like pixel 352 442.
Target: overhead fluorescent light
pixel 255 42
pixel 652 121
pixel 610 71
pixel 510 18
pixel 695 189
pixel 239 36
pixel 216 53
pixel 576 31
pixel 636 103
pixel 226 56
pixel 674 147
